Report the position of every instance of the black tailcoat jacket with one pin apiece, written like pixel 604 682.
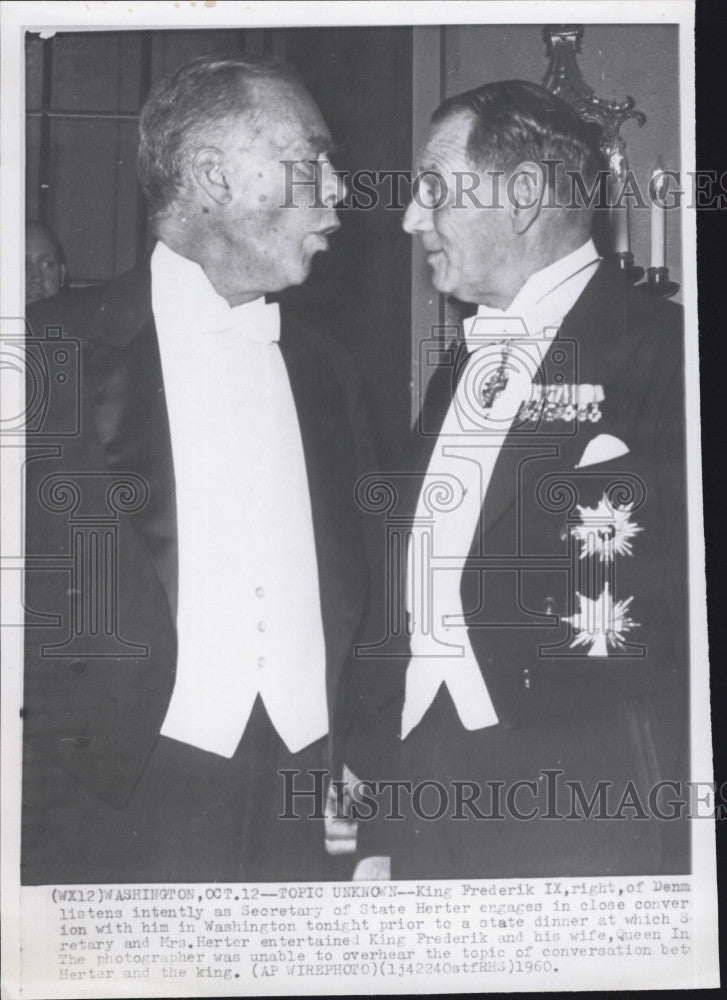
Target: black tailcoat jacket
pixel 101 577
pixel 616 718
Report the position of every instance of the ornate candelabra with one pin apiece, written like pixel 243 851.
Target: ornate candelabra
pixel 564 78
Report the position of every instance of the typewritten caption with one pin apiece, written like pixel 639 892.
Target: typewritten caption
pixel 245 938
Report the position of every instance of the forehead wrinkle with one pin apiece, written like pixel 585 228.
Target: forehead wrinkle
pixel 289 132
pixel 282 123
pixel 447 143
pixel 287 113
pixel 321 142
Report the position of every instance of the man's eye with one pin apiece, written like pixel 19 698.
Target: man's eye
pixel 306 171
pixel 430 192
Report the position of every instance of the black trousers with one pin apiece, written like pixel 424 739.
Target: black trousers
pixel 193 817
pixel 559 839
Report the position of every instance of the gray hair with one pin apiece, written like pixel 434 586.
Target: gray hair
pixel 185 109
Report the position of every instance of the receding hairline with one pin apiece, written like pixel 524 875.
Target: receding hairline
pixel 439 124
pixel 498 105
pixel 258 115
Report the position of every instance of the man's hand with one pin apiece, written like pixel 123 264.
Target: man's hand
pixel 375 869
pixel 340 829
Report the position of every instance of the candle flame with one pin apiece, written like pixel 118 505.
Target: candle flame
pixel 658 181
pixel 618 164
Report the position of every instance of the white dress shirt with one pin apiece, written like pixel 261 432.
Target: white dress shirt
pixel 462 463
pixel 249 618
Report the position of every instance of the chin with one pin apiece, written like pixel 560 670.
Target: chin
pixel 439 276
pixel 447 284
pixel 442 285
pixel 292 277
pixel 300 275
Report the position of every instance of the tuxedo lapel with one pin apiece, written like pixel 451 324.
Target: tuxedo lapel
pixel 425 435
pixel 330 466
pixel 131 414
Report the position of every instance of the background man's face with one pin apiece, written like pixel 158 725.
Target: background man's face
pixel 44 271
pixel 467 246
pixel 272 246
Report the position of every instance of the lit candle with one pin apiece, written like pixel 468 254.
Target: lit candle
pixel 657 189
pixel 621 229
pixel 620 226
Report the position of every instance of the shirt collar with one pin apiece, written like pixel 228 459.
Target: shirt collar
pixel 542 302
pixel 184 296
pixel 550 278
pixel 545 281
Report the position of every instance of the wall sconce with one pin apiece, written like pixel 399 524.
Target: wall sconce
pixel 564 78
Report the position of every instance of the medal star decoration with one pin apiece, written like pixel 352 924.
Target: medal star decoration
pixel 605 531
pixel 495 384
pixel 600 623
pixel 563 401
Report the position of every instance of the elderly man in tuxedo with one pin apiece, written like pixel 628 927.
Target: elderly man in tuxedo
pixel 545 584
pixel 196 568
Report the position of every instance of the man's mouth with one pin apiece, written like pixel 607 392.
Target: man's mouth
pixel 321 235
pixel 327 230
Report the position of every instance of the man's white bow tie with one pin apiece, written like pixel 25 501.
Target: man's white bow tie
pixel 258 320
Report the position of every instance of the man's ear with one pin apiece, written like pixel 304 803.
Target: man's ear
pixel 208 169
pixel 525 191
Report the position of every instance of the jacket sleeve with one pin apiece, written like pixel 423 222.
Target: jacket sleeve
pixel 92 703
pixel 371 691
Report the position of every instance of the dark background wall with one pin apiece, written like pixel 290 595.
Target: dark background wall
pixel 362 81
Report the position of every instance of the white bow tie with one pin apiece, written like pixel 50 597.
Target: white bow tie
pixel 198 306
pixel 257 320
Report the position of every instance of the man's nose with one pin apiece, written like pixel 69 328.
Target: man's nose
pixel 416 218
